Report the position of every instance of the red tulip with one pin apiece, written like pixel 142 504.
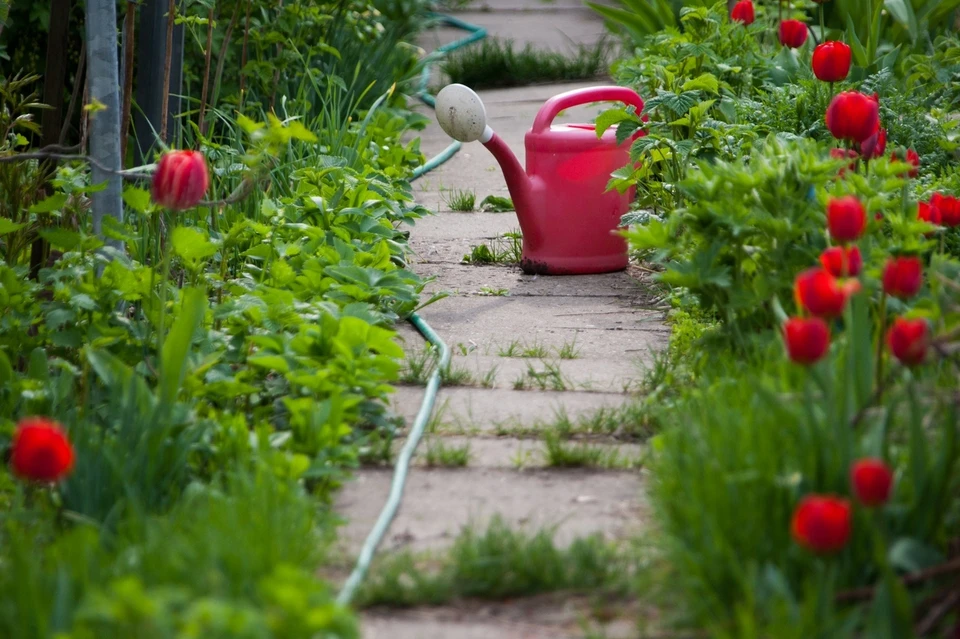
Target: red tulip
pixel 742 12
pixel 842 261
pixel 908 340
pixel 821 523
pixel 875 145
pixel 913 159
pixel 821 294
pixel 40 451
pixel 807 339
pixel 181 180
pixel 793 33
pixel 846 218
pixel 831 61
pixel 844 154
pixel 853 116
pixel 902 277
pixel 927 212
pixel 872 481
pixel 949 208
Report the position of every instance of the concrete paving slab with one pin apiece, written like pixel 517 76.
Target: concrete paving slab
pixel 485 409
pixel 438 503
pixel 549 617
pixel 578 26
pixel 511 452
pixel 597 375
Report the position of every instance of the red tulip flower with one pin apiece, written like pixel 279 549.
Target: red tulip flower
pixel 875 145
pixel 40 450
pixel 793 33
pixel 927 212
pixel 742 12
pixel 842 261
pixel 872 481
pixel 821 523
pixel 902 277
pixel 908 340
pixel 821 294
pixel 846 218
pixel 949 208
pixel 181 180
pixel 831 61
pixel 844 154
pixel 913 159
pixel 807 339
pixel 853 116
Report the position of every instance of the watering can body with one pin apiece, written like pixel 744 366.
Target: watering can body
pixel 568 218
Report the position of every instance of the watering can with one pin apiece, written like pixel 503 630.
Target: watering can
pixel 568 219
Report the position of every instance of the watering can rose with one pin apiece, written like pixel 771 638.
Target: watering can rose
pixel 40 451
pixel 821 523
pixel 181 180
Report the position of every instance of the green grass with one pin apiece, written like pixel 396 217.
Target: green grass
pixel 632 421
pixel 569 350
pixel 559 452
pixel 497 63
pixel 505 249
pixel 439 454
pixel 464 201
pixel 498 563
pixel 488 291
pixel 550 378
pixel 496 204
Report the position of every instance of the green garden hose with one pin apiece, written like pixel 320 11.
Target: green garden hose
pixel 430 395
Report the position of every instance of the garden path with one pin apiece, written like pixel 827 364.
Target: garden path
pixel 610 320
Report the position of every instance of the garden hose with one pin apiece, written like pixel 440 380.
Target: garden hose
pixel 402 466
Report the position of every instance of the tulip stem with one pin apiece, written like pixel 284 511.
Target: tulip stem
pixel 881 322
pixel 163 302
pixel 823 32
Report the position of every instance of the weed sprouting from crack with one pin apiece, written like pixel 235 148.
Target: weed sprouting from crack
pixel 439 454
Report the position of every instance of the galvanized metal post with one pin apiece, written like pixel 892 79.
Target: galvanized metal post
pixel 151 55
pixel 103 70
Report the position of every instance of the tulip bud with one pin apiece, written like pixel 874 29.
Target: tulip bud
pixel 908 340
pixel 831 61
pixel 875 145
pixel 845 154
pixel 821 294
pixel 821 523
pixel 902 277
pixel 807 339
pixel 926 212
pixel 913 159
pixel 40 451
pixel 793 33
pixel 853 116
pixel 846 218
pixel 842 261
pixel 872 481
pixel 742 12
pixel 181 180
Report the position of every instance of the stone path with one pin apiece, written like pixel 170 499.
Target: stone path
pixel 494 311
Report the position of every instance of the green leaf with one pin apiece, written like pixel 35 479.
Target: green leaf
pixel 704 82
pixel 270 362
pixel 62 238
pixel 53 203
pixel 859 53
pixel 137 199
pixel 610 117
pixel 902 12
pixel 191 244
pixel 173 361
pixel 9 226
pixel 912 555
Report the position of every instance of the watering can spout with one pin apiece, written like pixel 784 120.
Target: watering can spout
pixel 518 183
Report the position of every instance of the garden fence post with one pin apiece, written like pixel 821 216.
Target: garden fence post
pixel 151 55
pixel 103 70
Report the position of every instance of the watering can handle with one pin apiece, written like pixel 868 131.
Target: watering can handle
pixel 558 103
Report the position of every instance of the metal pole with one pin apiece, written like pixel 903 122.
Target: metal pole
pixel 151 54
pixel 103 69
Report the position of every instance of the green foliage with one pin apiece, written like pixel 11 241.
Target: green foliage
pixel 496 64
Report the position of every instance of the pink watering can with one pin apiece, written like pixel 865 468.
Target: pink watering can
pixel 567 217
